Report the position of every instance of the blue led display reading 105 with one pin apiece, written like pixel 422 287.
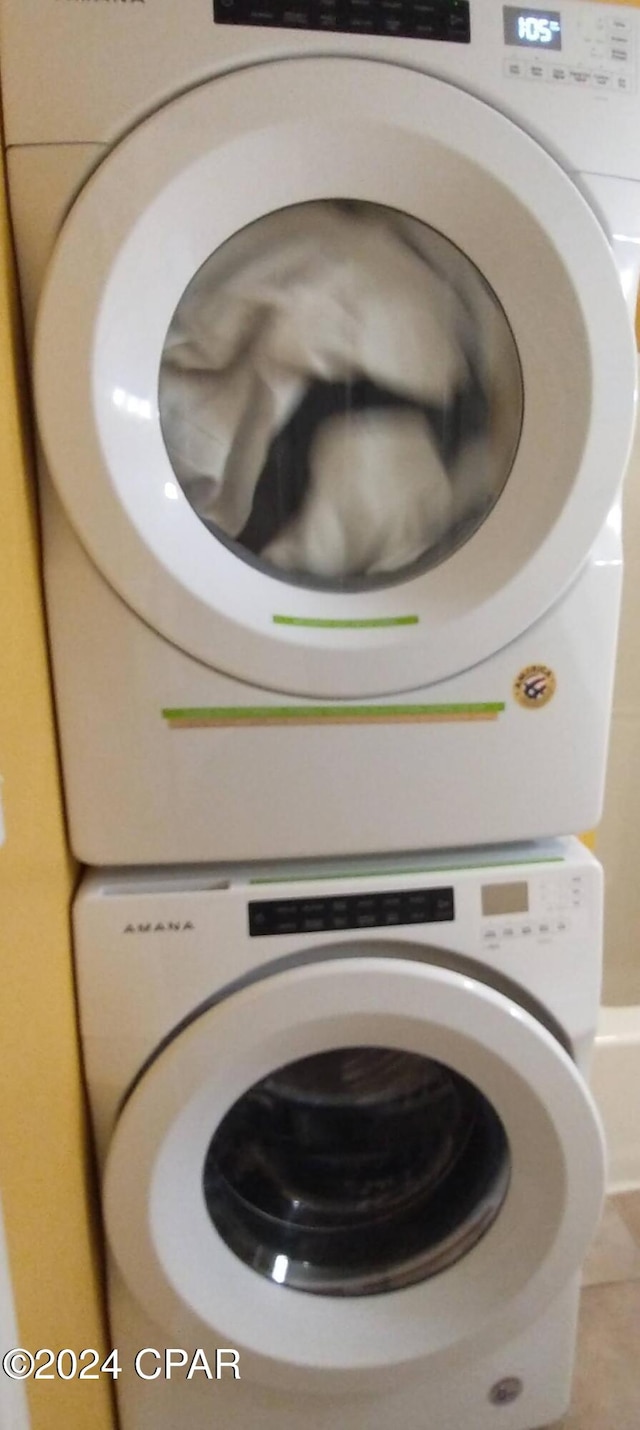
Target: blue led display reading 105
pixel 536 29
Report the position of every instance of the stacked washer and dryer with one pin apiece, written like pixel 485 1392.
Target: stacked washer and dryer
pixel 330 312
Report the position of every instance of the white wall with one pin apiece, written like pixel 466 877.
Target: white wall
pixel 618 839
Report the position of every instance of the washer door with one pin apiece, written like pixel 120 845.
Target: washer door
pixel 350 1167
pixel 334 376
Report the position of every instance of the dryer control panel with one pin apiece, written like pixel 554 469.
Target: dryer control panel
pixel 445 20
pixel 582 47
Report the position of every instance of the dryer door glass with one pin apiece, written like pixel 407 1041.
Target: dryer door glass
pixel 340 395
pixel 356 1171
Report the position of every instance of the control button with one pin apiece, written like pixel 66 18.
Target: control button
pixel 490 935
pixel 508 932
pixel 287 927
pixel 526 930
pixel 458 27
pixel 442 909
pixel 544 928
pixel 558 74
pixel 622 82
pixel 562 926
pixel 340 921
pixel 619 29
pixel 312 925
pixel 366 921
pixel 619 52
pixel 514 69
pixel 428 21
pixel 392 917
pixel 600 79
pixel 580 77
pixel 536 70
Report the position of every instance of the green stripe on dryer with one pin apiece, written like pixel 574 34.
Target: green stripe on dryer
pixel 227 715
pixel 319 624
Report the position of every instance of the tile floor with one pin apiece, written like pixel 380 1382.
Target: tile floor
pixel 607 1382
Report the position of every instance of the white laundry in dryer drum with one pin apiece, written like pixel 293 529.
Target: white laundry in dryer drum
pixel 345 1136
pixel 334 372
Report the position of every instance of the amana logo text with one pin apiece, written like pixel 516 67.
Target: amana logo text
pixel 169 927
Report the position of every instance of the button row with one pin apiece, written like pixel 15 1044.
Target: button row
pixel 597 27
pixel 546 928
pixel 447 20
pixel 617 54
pixel 352 911
pixel 576 76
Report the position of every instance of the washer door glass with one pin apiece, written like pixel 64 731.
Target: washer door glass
pixel 340 395
pixel 346 1126
pixel 356 1171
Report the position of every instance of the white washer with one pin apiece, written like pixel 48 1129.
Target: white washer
pixel 204 692
pixel 344 1131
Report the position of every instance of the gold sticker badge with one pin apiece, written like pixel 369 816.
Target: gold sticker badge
pixel 534 687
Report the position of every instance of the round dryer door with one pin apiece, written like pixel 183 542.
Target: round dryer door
pixel 324 376
pixel 352 1166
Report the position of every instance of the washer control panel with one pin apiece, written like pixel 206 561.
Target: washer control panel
pixel 542 912
pixel 269 917
pixel 580 47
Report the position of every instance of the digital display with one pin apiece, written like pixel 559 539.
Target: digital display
pixel 505 899
pixel 535 29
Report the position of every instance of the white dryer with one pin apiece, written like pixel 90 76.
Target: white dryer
pixel 345 1136
pixel 335 379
